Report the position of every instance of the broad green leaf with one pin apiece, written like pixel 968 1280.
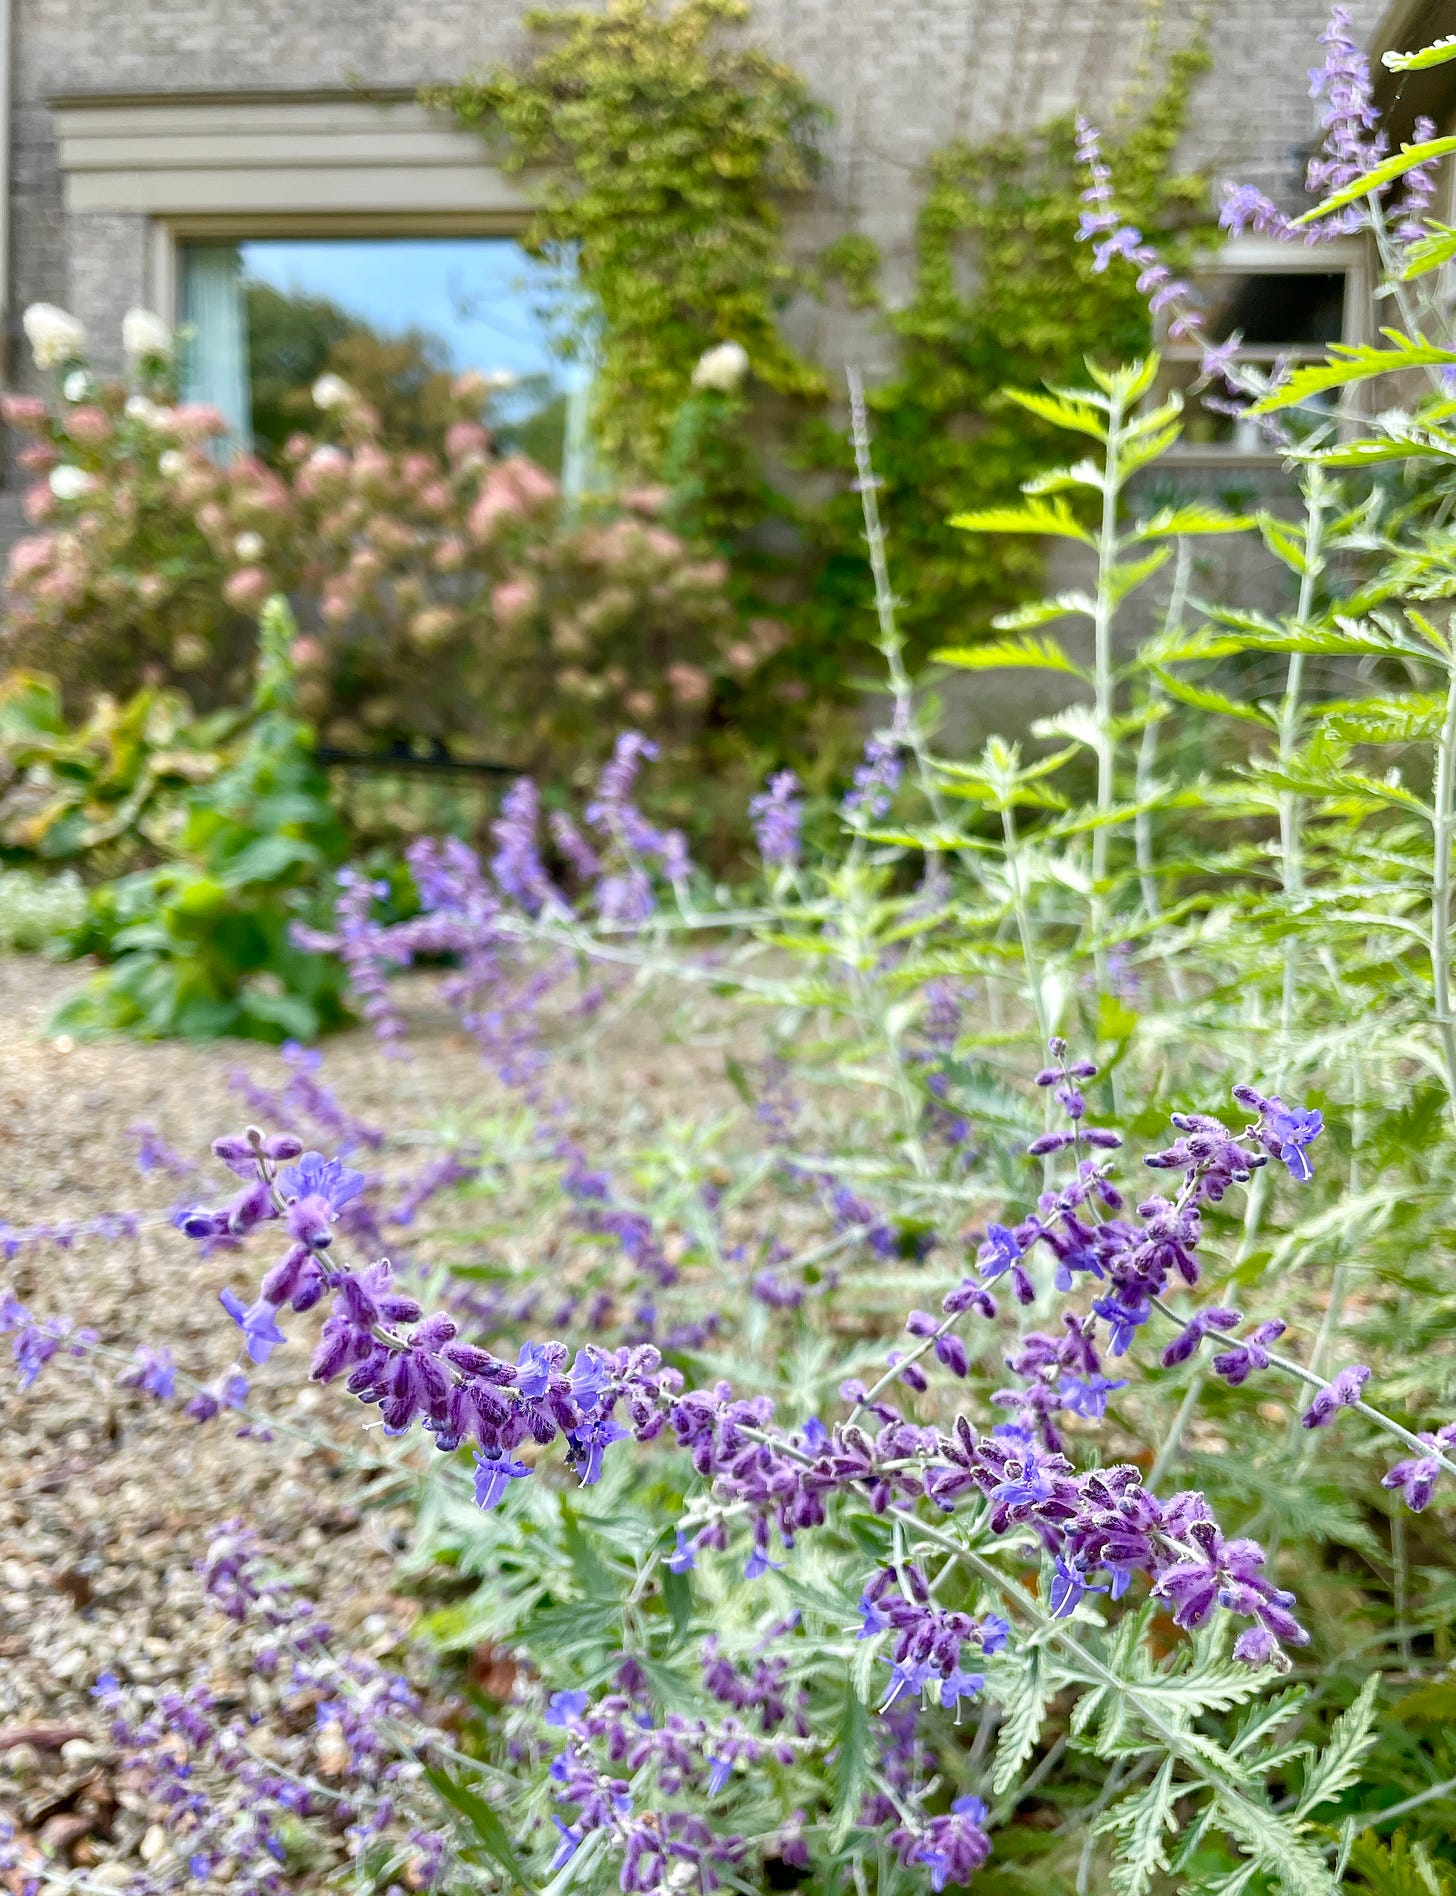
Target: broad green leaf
pixel 1009 654
pixel 1036 517
pixel 1378 176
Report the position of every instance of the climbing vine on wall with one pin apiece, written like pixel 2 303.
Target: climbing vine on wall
pixel 667 149
pixel 1003 296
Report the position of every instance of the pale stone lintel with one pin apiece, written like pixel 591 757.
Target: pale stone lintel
pixel 221 156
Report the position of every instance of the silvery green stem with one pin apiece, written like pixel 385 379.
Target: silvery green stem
pixel 1103 680
pixel 1024 925
pixel 1443 827
pixel 1290 805
pixel 1142 828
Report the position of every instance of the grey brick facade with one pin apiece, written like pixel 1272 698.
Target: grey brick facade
pixel 901 76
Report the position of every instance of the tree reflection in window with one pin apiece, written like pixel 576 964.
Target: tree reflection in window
pixel 397 318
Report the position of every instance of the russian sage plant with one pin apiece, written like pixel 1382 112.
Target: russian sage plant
pixel 1004 1437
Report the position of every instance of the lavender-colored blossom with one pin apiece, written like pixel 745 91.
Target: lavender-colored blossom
pixel 876 779
pixel 258 1322
pixel 154 1373
pixel 519 872
pixel 777 814
pixel 314 1176
pixel 1417 1475
pixel 1342 1393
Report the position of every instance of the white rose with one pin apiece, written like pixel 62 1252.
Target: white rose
pixel 171 463
pixel 722 367
pixel 77 386
pixel 331 391
pixel 138 408
pixel 248 547
pixel 54 335
pixel 145 334
pixel 69 483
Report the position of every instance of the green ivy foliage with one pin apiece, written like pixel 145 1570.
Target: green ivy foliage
pixel 667 148
pixel 1003 296
pixel 668 151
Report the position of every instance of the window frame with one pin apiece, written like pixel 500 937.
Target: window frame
pixel 1266 256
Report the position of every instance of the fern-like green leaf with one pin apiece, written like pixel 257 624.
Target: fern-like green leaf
pixel 1338 1765
pixel 1356 362
pixel 1378 176
pixel 1142 1823
pixel 1036 517
pixel 1009 654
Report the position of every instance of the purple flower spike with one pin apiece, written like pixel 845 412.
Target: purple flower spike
pixel 1342 1393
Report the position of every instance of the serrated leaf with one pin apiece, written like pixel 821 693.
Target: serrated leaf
pixel 1192 517
pixel 1355 362
pixel 1043 611
pixel 1036 517
pixel 1009 654
pixel 851 1765
pixel 1275 1847
pixel 488 1829
pixel 1378 176
pixel 1146 1820
pixel 1205 698
pixel 1338 1765
pixel 1438 53
pixel 1062 411
pixel 1021 1719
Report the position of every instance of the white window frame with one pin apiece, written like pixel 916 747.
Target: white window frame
pixel 1266 256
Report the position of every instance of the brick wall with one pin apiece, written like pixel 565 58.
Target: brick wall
pixel 902 76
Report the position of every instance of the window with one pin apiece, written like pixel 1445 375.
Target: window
pixel 1284 308
pixel 398 318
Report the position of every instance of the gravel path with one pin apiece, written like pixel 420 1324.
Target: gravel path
pixel 109 1496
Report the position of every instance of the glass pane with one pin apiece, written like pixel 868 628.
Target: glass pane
pixel 1280 309
pixel 399 318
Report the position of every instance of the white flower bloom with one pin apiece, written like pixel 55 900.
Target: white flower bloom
pixel 69 483
pixel 143 333
pixel 722 367
pixel 331 391
pixel 54 335
pixel 171 463
pixel 77 386
pixel 138 408
pixel 248 547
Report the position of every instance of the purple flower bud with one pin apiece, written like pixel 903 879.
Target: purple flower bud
pixel 1339 1394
